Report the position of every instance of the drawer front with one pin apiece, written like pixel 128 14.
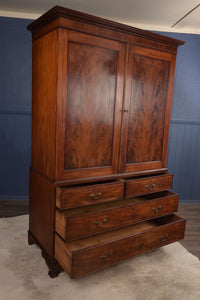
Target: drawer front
pixel 101 256
pixel 88 224
pixel 148 185
pixel 87 195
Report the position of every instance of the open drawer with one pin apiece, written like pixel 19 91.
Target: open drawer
pixel 69 197
pixel 81 222
pixel 97 252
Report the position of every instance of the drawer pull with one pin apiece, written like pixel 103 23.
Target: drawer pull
pixel 97 223
pixel 96 198
pixel 104 257
pixel 164 239
pixel 156 211
pixel 152 186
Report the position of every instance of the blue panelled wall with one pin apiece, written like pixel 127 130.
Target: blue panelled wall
pixel 15 113
pixel 15 108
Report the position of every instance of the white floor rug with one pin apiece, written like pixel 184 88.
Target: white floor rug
pixel 169 273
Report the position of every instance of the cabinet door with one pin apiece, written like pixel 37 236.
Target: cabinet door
pixel 146 113
pixel 89 100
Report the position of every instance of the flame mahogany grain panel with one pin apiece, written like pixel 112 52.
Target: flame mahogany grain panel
pixel 91 73
pixel 148 103
pixel 147 109
pixel 91 86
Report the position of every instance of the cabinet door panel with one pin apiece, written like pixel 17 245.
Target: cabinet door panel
pixel 148 101
pixel 93 79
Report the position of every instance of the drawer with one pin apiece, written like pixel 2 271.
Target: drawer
pixel 147 185
pixel 80 222
pixel 88 195
pixel 97 252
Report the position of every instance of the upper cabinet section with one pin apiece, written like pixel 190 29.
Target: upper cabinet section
pixel 102 95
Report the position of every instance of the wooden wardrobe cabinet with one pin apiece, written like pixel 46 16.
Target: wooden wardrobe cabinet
pixel 101 101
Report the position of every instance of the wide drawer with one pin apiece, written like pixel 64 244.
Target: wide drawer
pixel 80 222
pixel 147 185
pixel 97 252
pixel 90 194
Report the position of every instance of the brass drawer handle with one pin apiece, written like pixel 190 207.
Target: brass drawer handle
pixel 97 223
pixel 152 186
pixel 164 239
pixel 96 198
pixel 104 257
pixel 156 211
pixel 124 110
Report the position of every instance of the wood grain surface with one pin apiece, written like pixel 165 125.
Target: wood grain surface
pixel 99 218
pixel 91 87
pixel 105 249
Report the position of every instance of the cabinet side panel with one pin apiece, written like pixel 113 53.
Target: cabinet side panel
pixel 42 208
pixel 43 103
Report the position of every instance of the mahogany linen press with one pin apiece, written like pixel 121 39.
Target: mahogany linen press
pixel 101 102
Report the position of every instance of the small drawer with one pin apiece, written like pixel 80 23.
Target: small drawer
pixel 81 222
pixel 147 185
pixel 97 252
pixel 87 195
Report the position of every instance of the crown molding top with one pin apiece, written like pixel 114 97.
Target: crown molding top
pixel 61 12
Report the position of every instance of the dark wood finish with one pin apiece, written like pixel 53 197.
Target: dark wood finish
pixel 148 185
pixel 31 239
pixel 87 195
pixel 100 179
pixel 64 14
pixel 53 265
pixel 191 212
pixel 105 249
pixel 91 87
pixel 88 111
pixel 147 108
pixel 44 76
pixel 102 96
pixel 42 208
pixel 89 220
pixel 146 121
